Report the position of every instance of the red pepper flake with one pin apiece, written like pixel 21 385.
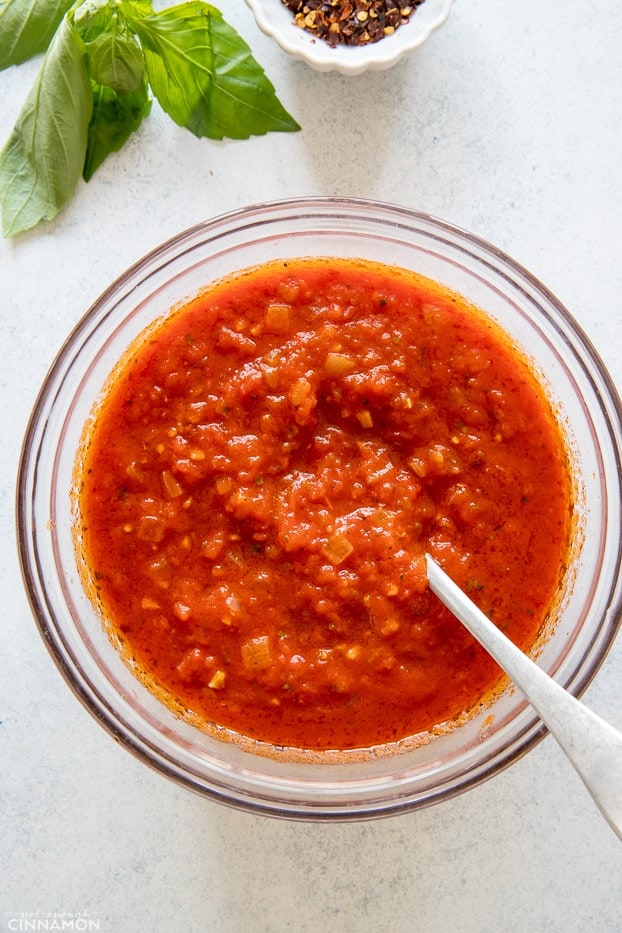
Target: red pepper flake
pixel 351 22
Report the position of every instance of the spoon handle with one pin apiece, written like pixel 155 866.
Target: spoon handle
pixel 593 746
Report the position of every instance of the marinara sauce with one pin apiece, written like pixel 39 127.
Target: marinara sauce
pixel 265 473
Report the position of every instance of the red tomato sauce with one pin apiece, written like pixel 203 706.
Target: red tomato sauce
pixel 264 475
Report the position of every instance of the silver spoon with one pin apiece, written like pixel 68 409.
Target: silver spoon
pixel 593 747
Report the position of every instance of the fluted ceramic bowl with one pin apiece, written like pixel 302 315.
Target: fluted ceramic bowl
pixel 277 21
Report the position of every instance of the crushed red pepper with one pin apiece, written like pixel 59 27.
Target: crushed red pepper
pixel 351 22
pixel 268 467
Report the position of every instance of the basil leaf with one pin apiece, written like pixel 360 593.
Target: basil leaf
pixel 27 26
pixel 203 73
pixel 92 18
pixel 44 155
pixel 243 99
pixel 116 60
pixel 115 118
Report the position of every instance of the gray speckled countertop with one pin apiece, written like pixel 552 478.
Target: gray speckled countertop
pixel 508 123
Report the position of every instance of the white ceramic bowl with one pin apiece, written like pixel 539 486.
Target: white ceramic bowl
pixel 277 21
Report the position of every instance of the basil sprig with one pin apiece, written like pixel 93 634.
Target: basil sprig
pixel 92 92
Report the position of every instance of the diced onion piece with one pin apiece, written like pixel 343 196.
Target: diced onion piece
pixel 277 318
pixel 218 680
pixel 338 364
pixel 257 653
pixel 148 603
pixel 172 487
pixel 365 419
pixel 337 548
pixel 182 611
pixel 151 528
pixel 437 460
pixel 233 604
pixel 271 377
pixel 418 466
pixel 300 391
pixel 224 484
pixel 211 547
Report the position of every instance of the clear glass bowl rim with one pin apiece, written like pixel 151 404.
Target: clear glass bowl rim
pixel 318 209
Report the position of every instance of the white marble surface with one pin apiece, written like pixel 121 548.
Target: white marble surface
pixel 509 123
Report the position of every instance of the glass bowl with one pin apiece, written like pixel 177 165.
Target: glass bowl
pixel 277 21
pixel 316 785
